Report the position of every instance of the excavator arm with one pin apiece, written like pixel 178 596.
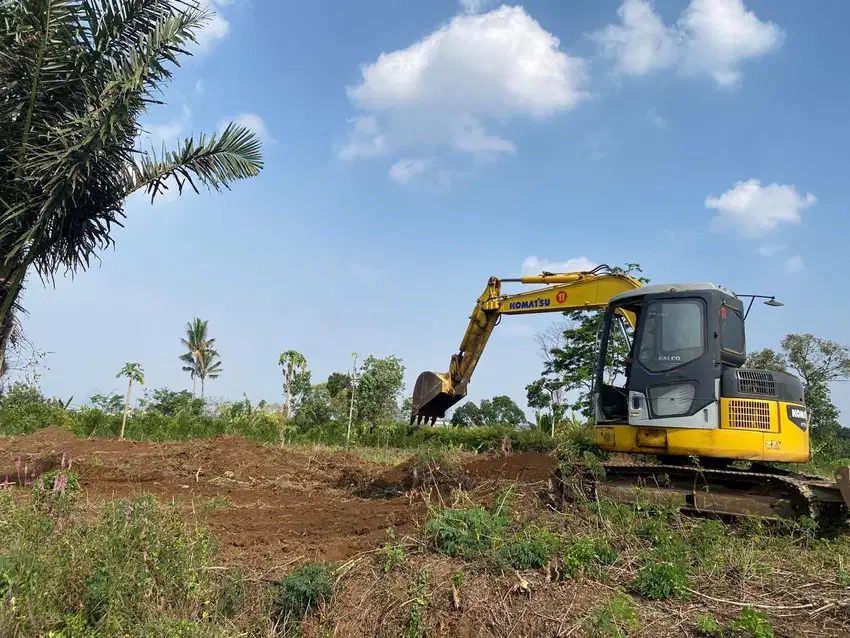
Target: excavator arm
pixel 434 392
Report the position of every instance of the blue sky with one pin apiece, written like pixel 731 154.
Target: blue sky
pixel 414 149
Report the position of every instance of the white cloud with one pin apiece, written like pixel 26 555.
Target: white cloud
pixel 441 93
pixel 641 43
pixel 215 30
pixel 364 275
pixel 199 85
pixel 169 132
pixel 250 121
pixel 720 34
pixel 794 264
pixel 474 6
pixel 769 250
pixel 753 210
pixel 534 265
pixel 407 168
pixel 712 37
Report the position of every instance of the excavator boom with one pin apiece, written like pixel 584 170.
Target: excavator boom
pixel 434 393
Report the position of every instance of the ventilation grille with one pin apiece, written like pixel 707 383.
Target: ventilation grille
pixel 749 415
pixel 756 382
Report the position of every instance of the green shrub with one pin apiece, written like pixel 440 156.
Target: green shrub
pixel 302 592
pixel 231 594
pixel 752 623
pixel 707 626
pixel 533 547
pixel 661 579
pixel 418 604
pixel 617 618
pixel 465 533
pixel 586 556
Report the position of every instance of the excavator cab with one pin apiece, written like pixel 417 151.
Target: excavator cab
pixel 675 385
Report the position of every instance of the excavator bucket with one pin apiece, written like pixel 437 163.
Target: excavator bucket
pixel 432 396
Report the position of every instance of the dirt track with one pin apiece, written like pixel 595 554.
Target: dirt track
pixel 267 506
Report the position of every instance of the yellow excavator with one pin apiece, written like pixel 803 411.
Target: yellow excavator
pixel 682 393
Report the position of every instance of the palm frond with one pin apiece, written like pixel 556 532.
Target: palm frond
pixel 215 163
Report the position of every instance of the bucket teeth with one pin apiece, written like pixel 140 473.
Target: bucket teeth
pixel 433 394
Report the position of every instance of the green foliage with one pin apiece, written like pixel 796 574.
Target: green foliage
pixel 201 359
pixel 707 626
pixel 171 403
pixel 616 618
pixel 65 172
pixel 302 592
pixel 587 556
pixel 661 579
pixel 499 411
pixel 752 623
pixel 531 547
pixel 418 604
pixel 393 554
pixel 135 565
pixel 466 533
pixel 379 385
pixel 108 403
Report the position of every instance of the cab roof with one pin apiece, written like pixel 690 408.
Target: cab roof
pixel 655 289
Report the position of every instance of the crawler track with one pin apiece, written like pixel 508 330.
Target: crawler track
pixel 760 491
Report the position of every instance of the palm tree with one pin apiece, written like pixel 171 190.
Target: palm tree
pixel 291 363
pixel 201 357
pixel 75 77
pixel 133 372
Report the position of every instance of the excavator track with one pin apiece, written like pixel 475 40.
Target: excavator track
pixel 760 491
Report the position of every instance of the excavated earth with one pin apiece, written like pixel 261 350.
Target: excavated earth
pixel 267 506
pixel 272 508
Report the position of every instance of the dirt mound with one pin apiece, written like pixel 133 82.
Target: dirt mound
pixel 413 474
pixel 524 467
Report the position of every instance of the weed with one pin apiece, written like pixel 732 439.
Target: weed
pixel 301 593
pixel 466 533
pixel 661 579
pixel 457 578
pixel 752 623
pixel 418 604
pixel 215 503
pixel 231 594
pixel 617 618
pixel 533 547
pixel 707 626
pixel 586 556
pixel 393 554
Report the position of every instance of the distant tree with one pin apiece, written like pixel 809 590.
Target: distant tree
pixel 467 415
pixel 500 410
pixel 338 382
pixel 134 373
pixel 108 403
pixel 379 384
pixel 292 365
pixel 571 364
pixel 75 78
pixel 767 359
pixel 171 403
pixel 201 359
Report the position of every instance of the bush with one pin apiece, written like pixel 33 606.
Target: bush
pixel 533 547
pixel 617 618
pixel 752 624
pixel 301 593
pixel 466 533
pixel 661 579
pixel 587 556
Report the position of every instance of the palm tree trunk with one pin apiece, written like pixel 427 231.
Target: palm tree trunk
pixel 285 412
pixel 10 290
pixel 202 387
pixel 126 408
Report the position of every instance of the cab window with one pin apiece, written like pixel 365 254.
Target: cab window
pixel 671 334
pixel 731 330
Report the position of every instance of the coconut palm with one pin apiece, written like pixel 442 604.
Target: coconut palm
pixel 292 363
pixel 201 359
pixel 75 77
pixel 133 372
